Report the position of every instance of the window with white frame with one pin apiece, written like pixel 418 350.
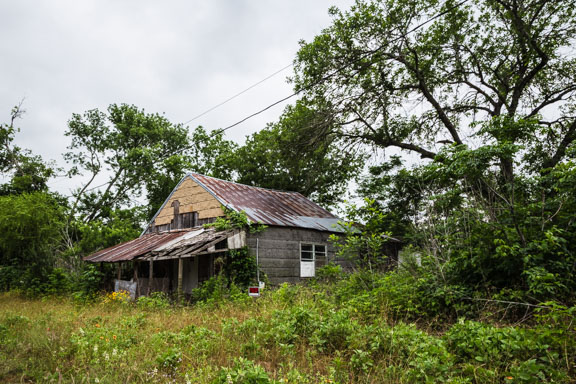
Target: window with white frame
pixel 309 253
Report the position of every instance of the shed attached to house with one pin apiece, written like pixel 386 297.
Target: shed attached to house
pixel 176 251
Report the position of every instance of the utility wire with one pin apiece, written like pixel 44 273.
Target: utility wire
pixel 317 82
pixel 340 69
pixel 238 94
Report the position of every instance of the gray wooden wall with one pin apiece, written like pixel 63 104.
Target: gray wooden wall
pixel 279 251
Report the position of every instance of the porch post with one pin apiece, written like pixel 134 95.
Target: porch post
pixel 180 277
pixel 150 277
pixel 136 263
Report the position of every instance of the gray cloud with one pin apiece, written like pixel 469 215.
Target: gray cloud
pixel 174 57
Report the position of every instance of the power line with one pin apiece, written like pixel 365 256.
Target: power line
pixel 340 69
pixel 238 94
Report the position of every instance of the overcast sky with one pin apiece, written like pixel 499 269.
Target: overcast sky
pixel 179 58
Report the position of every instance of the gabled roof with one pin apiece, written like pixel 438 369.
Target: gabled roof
pixel 267 206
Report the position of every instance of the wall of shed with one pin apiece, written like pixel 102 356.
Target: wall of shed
pixel 192 198
pixel 279 251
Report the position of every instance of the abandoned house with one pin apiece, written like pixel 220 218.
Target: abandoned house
pixel 176 252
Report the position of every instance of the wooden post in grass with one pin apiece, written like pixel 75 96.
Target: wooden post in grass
pixel 150 277
pixel 137 293
pixel 180 278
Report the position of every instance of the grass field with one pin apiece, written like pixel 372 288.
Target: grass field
pixel 291 335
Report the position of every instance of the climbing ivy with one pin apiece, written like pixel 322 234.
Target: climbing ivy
pixel 235 220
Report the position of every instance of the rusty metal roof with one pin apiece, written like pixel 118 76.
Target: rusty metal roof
pixel 270 207
pixel 163 245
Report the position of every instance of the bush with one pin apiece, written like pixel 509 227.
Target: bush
pixel 527 355
pixel 332 333
pixel 31 226
pixel 214 289
pixel 329 273
pixel 243 372
pixel 156 300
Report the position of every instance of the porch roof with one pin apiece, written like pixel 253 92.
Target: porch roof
pixel 164 245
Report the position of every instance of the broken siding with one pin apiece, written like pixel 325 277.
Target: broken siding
pixel 192 198
pixel 279 251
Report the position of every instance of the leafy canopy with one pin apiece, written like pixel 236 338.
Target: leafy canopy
pixel 484 93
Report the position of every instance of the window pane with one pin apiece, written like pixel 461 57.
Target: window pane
pixel 320 250
pixel 306 247
pixel 305 255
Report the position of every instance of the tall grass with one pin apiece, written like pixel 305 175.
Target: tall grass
pixel 294 334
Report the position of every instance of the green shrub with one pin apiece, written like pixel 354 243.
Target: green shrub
pixel 329 273
pixel 528 355
pixel 286 293
pixel 169 360
pixel 243 372
pixel 332 332
pixel 156 300
pixel 289 326
pixel 213 290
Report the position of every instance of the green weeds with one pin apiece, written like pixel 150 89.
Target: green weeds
pixel 351 331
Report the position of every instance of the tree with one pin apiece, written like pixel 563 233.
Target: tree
pixel 205 153
pixel 485 94
pixel 127 146
pixel 28 173
pixel 392 84
pixel 31 225
pixel 288 155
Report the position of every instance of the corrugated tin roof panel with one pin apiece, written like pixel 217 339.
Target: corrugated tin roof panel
pixel 134 248
pixel 270 207
pixel 164 244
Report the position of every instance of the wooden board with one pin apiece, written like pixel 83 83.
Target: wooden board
pixel 192 198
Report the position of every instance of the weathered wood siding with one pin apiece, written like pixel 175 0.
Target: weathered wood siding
pixel 279 251
pixel 192 198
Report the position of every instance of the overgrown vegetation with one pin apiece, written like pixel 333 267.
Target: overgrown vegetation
pixel 483 93
pixel 359 328
pixel 236 268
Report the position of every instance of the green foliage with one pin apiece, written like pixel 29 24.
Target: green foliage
pixel 211 154
pixel 154 301
pixel 243 372
pixel 333 332
pixel 231 220
pixel 477 232
pixel 240 267
pixel 527 355
pixel 213 290
pixel 133 147
pixel 490 202
pixel 293 154
pixel 31 227
pixel 295 334
pixel 85 238
pixel 28 173
pixel 329 273
pixel 87 283
pixel 169 360
pixel 365 236
pixel 235 220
